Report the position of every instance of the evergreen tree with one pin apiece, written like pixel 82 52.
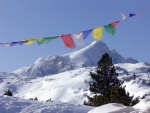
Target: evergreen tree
pixel 36 98
pixel 134 76
pixel 8 93
pixel 106 86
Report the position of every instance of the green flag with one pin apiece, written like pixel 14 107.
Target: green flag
pixel 48 39
pixel 45 40
pixel 110 29
pixel 40 41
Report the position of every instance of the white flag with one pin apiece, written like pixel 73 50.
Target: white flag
pixel 78 38
pixel 123 16
pixel 5 44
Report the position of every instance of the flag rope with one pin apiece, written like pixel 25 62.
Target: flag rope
pixel 70 39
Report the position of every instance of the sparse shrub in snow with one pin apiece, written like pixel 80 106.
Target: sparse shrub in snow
pixel 134 76
pixel 49 100
pixel 34 98
pixel 8 93
pixel 107 87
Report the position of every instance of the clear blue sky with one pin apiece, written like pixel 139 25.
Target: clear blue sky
pixel 38 18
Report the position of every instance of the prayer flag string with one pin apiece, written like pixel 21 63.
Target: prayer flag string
pixel 70 39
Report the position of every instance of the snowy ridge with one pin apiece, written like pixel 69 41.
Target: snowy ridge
pixel 85 57
pixel 45 66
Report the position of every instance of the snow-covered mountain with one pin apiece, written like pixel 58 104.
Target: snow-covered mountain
pixel 68 90
pixel 61 83
pixel 64 81
pixel 74 83
pixel 85 57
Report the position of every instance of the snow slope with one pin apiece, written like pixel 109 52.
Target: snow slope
pixel 141 85
pixel 71 88
pixel 113 108
pixel 85 57
pixel 142 107
pixel 16 105
pixel 74 83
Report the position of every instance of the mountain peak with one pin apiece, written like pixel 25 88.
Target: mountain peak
pixel 93 52
pixel 88 56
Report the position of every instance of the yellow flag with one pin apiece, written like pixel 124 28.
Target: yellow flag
pixel 97 33
pixel 30 41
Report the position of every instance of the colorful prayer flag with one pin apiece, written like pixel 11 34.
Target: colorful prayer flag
pixel 20 43
pixel 123 16
pixel 86 33
pixel 110 29
pixel 5 44
pixel 40 41
pixel 97 33
pixel 45 40
pixel 30 41
pixel 48 39
pixel 115 23
pixel 131 15
pixel 68 41
pixel 78 37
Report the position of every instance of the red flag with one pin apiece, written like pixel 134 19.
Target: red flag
pixel 68 41
pixel 115 23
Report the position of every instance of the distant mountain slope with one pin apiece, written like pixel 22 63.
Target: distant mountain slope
pixel 73 86
pixel 85 57
pixel 68 89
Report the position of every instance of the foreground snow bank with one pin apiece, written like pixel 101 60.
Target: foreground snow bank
pixel 16 105
pixel 113 108
pixel 142 107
